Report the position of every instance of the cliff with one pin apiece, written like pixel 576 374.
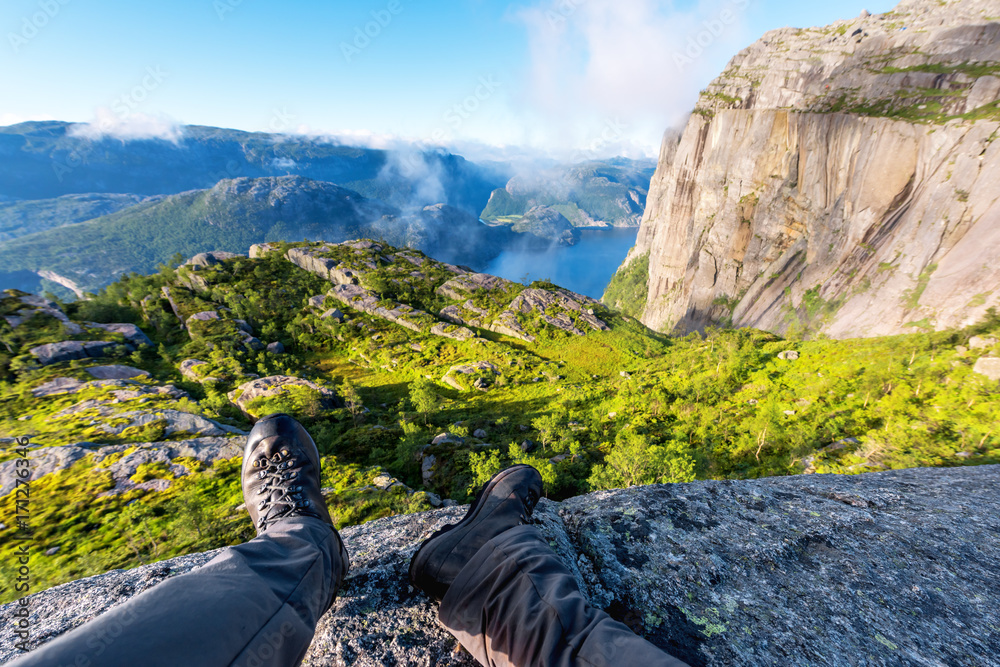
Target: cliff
pixel 841 180
pixel 891 568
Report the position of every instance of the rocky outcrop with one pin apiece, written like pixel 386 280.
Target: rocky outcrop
pixel 359 298
pixel 48 460
pixel 897 568
pixel 277 387
pixel 189 369
pixel 988 366
pixel 841 180
pixel 121 389
pixel 33 305
pixel 130 332
pixel 548 226
pixel 54 353
pixel 311 260
pixel 204 260
pixel 481 371
pixel 556 307
pixel 115 372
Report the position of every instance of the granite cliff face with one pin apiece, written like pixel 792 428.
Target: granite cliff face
pixel 841 180
pixel 892 568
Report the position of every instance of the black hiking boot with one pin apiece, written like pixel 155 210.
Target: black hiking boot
pixel 506 501
pixel 281 477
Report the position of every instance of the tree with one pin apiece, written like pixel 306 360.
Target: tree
pixel 352 399
pixel 548 428
pixel 423 397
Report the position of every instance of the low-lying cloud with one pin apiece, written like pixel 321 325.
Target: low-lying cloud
pixel 108 124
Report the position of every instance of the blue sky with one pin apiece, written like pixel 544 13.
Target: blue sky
pixel 600 75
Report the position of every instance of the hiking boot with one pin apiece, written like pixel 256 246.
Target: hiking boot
pixel 506 501
pixel 281 473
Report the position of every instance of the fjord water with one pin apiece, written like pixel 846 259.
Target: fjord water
pixel 585 268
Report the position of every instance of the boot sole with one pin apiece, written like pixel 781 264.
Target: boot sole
pixel 424 552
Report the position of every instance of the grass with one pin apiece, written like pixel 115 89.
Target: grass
pixel 624 406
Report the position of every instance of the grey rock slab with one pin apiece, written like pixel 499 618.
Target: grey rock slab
pixel 988 366
pixel 116 372
pixel 981 343
pixel 891 568
pixel 207 259
pixel 188 366
pixel 69 350
pixel 47 460
pixel 131 332
pixel 276 348
pixel 274 385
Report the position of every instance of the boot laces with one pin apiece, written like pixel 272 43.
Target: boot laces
pixel 529 504
pixel 279 474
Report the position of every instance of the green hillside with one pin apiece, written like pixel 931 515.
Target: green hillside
pixel 588 194
pixel 232 216
pixel 413 349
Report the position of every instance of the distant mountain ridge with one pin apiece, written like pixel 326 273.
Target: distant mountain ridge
pixel 42 160
pixel 608 193
pixel 232 216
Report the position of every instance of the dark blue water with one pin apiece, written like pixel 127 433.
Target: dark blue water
pixel 586 267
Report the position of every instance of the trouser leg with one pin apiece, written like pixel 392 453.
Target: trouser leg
pixel 255 604
pixel 515 603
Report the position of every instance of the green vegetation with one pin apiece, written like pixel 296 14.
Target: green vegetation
pixel 609 409
pixel 612 192
pixel 629 289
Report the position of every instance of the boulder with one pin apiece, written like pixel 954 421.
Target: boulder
pixel 469 369
pixel 276 347
pixel 334 314
pixel 317 301
pixel 116 372
pixel 261 249
pixel 875 569
pixel 273 387
pixel 427 469
pixel 203 260
pixel 189 367
pixel 203 316
pixel 447 438
pixel 981 343
pixel 788 355
pixel 131 332
pixel 53 353
pixel 988 366
pixel 479 433
pixel 58 386
pixel 527 446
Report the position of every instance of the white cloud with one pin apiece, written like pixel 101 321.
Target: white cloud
pixel 107 123
pixel 595 64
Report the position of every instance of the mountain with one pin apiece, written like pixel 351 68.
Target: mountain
pixel 232 216
pixel 589 194
pixel 839 180
pixel 43 160
pixel 19 218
